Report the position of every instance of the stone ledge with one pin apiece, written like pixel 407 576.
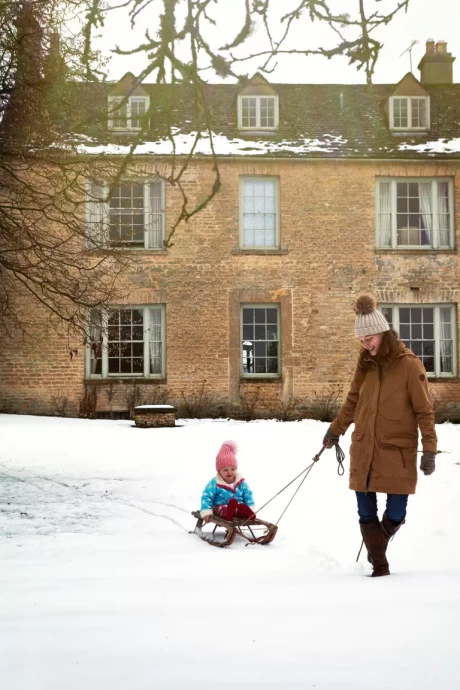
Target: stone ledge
pixel 122 380
pixel 261 380
pixel 415 252
pixel 260 252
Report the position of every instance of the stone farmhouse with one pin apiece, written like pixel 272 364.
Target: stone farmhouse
pixel 327 191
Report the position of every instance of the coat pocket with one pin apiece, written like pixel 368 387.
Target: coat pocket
pixel 393 407
pixel 406 447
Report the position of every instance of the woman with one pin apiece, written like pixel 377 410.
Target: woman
pixel 388 399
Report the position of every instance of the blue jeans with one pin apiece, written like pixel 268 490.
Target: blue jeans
pixel 367 506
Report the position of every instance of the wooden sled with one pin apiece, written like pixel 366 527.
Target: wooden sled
pixel 244 527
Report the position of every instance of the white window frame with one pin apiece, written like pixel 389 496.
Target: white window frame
pixel 128 101
pixel 409 127
pixel 394 232
pixel 98 212
pixel 259 178
pixel 146 354
pixel 258 126
pixel 258 375
pixel 437 332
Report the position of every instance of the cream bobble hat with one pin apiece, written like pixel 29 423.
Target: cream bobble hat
pixel 369 320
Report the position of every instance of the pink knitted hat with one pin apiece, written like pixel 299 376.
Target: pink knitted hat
pixel 226 456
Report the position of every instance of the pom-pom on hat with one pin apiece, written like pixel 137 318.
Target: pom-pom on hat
pixel 369 320
pixel 226 457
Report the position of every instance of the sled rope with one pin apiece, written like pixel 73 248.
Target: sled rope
pixel 340 456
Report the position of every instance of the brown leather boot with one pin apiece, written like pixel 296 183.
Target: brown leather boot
pixel 389 529
pixel 375 544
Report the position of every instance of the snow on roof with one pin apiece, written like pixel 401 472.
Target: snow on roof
pixel 223 146
pixel 438 146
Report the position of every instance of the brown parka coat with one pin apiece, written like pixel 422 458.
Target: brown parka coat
pixel 387 403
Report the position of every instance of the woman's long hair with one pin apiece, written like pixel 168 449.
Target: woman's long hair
pixel 388 351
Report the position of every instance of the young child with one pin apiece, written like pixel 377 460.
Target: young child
pixel 227 495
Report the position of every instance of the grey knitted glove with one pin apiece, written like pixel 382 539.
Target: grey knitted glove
pixel 427 463
pixel 331 439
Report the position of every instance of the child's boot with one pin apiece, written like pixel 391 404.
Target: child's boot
pixel 244 511
pixel 230 510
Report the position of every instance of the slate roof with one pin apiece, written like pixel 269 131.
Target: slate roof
pixel 314 121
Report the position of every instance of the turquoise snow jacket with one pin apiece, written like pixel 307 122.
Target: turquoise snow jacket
pixel 218 493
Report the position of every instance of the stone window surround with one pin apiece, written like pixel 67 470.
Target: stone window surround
pixel 409 127
pixel 282 297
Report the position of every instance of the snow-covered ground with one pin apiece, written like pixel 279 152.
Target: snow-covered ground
pixel 103 588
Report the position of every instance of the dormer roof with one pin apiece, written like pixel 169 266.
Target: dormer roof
pixel 409 86
pixel 258 85
pixel 128 86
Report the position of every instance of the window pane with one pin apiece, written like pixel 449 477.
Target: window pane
pixel 248 332
pixel 248 316
pixel 260 315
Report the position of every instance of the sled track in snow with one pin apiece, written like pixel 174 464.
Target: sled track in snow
pixel 42 484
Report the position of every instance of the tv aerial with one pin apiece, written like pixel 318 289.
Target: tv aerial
pixel 409 50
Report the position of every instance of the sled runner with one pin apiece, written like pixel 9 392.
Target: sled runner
pixel 246 528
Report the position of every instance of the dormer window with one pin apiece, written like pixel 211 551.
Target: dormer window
pixel 258 112
pixel 410 113
pixel 127 113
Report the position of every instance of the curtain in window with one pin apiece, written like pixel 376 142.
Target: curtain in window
pixel 95 342
pixel 443 214
pixel 426 210
pixel 446 340
pixel 385 215
pixel 96 213
pixel 155 221
pixel 155 341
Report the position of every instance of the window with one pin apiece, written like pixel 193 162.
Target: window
pixel 260 351
pixel 127 341
pixel 257 112
pixel 259 212
pixel 130 215
pixel 429 331
pixel 415 213
pixel 409 112
pixel 128 112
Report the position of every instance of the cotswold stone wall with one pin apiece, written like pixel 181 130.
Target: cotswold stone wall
pixel 328 256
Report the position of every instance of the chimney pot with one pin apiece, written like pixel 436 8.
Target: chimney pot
pixel 441 47
pixel 430 46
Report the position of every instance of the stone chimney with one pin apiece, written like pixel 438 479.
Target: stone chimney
pixel 436 65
